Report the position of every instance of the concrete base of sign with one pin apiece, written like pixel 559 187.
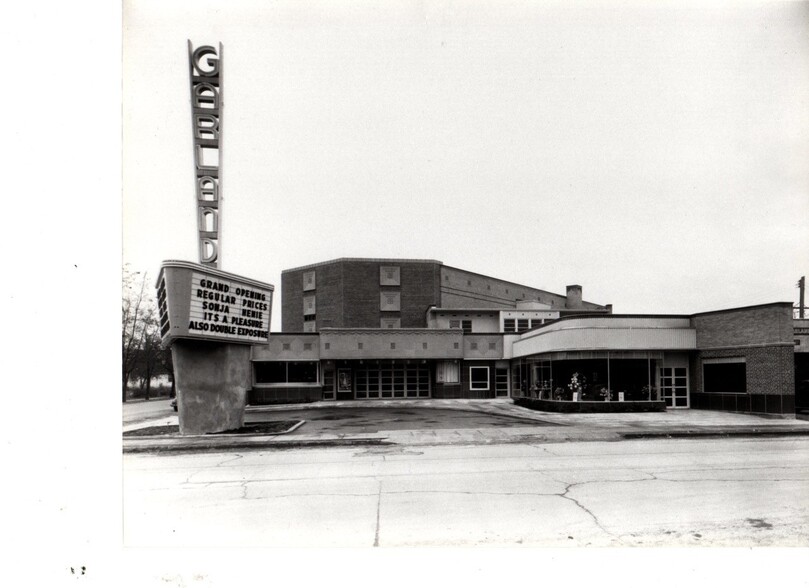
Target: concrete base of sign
pixel 212 380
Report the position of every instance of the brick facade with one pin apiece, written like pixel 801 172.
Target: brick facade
pixel 347 293
pixel 762 337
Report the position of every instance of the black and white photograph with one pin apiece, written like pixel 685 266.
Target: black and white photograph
pixel 486 286
pixel 465 274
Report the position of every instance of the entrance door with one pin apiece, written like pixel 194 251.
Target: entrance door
pixel 674 386
pixel 394 380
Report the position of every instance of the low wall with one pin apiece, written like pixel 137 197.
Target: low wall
pixel 589 406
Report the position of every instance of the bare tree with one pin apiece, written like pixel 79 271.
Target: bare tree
pixel 137 312
pixel 149 363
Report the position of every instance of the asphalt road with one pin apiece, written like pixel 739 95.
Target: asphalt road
pixel 714 492
pixel 354 420
pixel 141 410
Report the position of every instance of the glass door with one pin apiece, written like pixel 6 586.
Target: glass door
pixel 674 386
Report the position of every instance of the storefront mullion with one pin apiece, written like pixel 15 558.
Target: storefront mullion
pixel 392 380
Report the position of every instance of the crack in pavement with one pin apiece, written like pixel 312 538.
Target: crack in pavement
pixel 235 458
pixel 588 511
pixel 378 503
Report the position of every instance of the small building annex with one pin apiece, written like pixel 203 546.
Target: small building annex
pixel 403 328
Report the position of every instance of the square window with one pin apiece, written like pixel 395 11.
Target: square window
pixel 492 345
pixel 286 346
pixel 473 345
pixel 307 346
pixel 359 345
pixel 479 377
pixel 327 345
pixel 424 345
pixel 393 345
pixel 455 345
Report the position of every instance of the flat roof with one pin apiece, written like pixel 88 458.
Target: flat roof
pixel 361 259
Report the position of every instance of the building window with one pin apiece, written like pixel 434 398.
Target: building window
pixel 447 372
pixel 466 326
pixel 509 325
pixel 393 345
pixel 479 377
pixel 455 345
pixel 454 324
pixel 424 345
pixel 309 306
pixel 307 347
pixel 327 345
pixel 522 325
pixel 724 375
pixel 492 345
pixel 473 345
pixel 389 276
pixel 536 322
pixel 359 345
pixel 308 281
pixel 285 346
pixel 286 372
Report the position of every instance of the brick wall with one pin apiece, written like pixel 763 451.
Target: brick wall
pixel 756 325
pixel 762 335
pixel 465 289
pixel 348 294
pixel 465 391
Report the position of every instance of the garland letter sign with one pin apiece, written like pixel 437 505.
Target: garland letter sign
pixel 205 65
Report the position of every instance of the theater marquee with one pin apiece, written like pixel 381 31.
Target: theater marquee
pixel 199 302
pixel 205 65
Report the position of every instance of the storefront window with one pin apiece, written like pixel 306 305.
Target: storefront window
pixel 447 372
pixel 286 372
pixel 726 376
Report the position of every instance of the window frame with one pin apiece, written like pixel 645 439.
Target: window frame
pixel 488 378
pixel 287 383
pixel 724 361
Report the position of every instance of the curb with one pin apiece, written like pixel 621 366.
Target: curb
pixel 725 433
pixel 253 443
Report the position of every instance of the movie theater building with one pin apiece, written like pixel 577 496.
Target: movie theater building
pixel 402 328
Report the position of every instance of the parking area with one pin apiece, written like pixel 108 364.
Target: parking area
pixel 354 420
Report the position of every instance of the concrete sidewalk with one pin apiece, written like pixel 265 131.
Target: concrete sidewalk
pixel 551 427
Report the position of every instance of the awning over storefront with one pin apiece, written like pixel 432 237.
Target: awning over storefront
pixel 614 333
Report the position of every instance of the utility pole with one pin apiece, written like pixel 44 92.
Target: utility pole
pixel 802 286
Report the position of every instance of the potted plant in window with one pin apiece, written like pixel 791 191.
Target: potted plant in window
pixel 576 385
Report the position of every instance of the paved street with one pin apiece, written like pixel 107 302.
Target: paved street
pixel 686 492
pixel 136 411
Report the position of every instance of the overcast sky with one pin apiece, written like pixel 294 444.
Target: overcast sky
pixel 658 156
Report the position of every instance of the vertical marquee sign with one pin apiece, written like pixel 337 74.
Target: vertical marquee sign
pixel 205 65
